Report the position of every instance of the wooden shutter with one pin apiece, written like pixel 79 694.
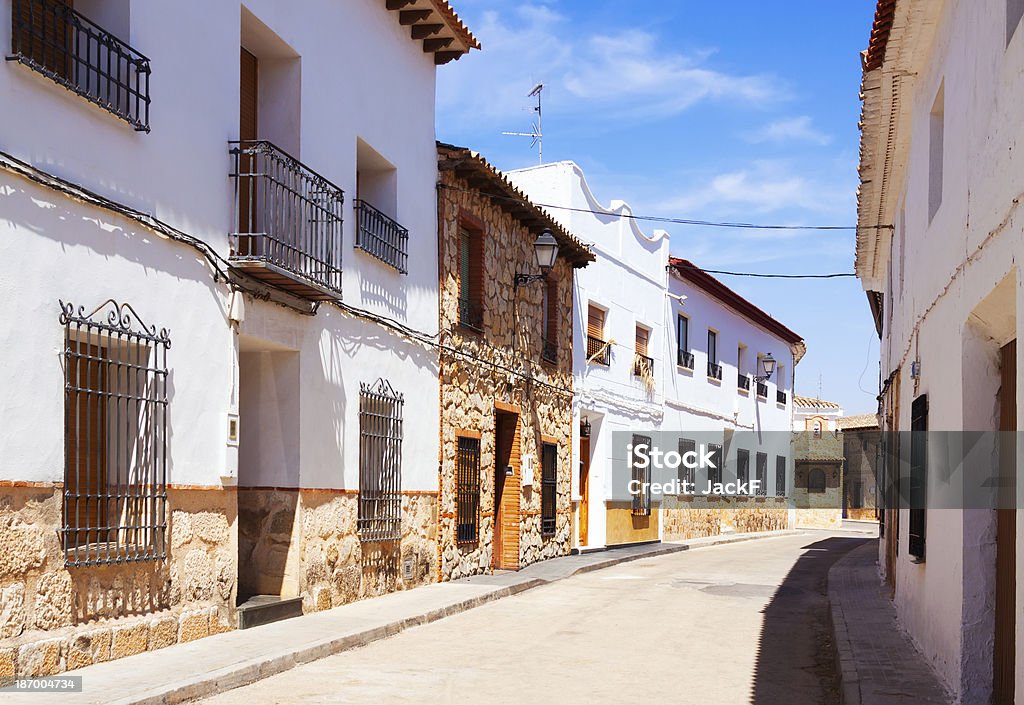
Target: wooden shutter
pixel 642 336
pixel 551 310
pixel 249 86
pixel 595 322
pixel 40 33
pixel 918 476
pixel 85 468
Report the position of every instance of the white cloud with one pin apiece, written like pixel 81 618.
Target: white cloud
pixel 796 129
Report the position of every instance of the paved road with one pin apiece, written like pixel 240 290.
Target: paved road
pixel 739 623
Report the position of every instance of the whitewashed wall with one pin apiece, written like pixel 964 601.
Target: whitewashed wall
pixel 362 77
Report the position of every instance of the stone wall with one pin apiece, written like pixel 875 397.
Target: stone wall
pixel 696 517
pixel 501 365
pixel 54 618
pixel 305 543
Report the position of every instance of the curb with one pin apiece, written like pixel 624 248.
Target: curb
pixel 247 672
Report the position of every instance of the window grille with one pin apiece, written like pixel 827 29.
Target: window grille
pixel 642 498
pixel 762 475
pixel 742 466
pixel 549 488
pixel 687 474
pixel 715 473
pixel 780 476
pixel 467 489
pixel 115 436
pixel 381 236
pixel 48 36
pixel 380 462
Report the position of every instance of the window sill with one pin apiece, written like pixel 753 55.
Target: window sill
pixel 744 392
pixel 683 368
pixel 715 381
pixel 761 398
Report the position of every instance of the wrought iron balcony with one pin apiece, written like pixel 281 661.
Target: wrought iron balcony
pixel 643 366
pixel 66 47
pixel 598 351
pixel 762 389
pixel 743 382
pixel 287 226
pixel 381 237
pixel 780 397
pixel 471 315
pixel 549 350
pixel 684 358
pixel 714 371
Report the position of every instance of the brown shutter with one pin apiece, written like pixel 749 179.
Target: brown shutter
pixel 642 335
pixel 551 312
pixel 85 469
pixel 247 130
pixel 43 33
pixel 247 127
pixel 595 323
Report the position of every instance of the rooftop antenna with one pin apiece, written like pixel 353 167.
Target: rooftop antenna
pixel 536 136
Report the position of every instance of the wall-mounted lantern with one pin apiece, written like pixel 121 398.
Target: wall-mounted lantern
pixel 767 368
pixel 585 428
pixel 545 251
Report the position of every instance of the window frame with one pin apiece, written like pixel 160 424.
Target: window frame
pixel 472 273
pixel 641 500
pixel 780 474
pixel 549 488
pixel 381 418
pixel 918 524
pixel 467 488
pixel 761 474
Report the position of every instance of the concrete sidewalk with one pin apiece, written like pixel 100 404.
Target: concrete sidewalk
pixel 217 663
pixel 878 663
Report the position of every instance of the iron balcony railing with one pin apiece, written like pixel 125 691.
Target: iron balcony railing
pixel 549 350
pixel 287 216
pixel 643 366
pixel 743 382
pixel 471 315
pixel 714 371
pixel 780 397
pixel 66 47
pixel 598 351
pixel 685 359
pixel 762 389
pixel 381 237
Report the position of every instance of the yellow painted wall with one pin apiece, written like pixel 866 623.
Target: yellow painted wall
pixel 623 527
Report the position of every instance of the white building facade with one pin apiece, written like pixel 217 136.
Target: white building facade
pixel 939 245
pixel 215 241
pixel 632 381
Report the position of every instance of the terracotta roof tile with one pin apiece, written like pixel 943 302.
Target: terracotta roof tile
pixel 858 421
pixel 815 403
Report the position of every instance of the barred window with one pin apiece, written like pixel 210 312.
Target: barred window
pixel 743 466
pixel 467 489
pixel 549 488
pixel 687 475
pixel 780 476
pixel 115 436
pixel 380 462
pixel 642 475
pixel 715 473
pixel 762 474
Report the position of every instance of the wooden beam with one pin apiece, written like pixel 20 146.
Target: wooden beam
pixel 398 4
pixel 443 57
pixel 430 45
pixel 422 31
pixel 408 17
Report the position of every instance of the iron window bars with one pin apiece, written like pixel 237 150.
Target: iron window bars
pixel 917 530
pixel 743 382
pixel 382 237
pixel 762 475
pixel 687 475
pixel 115 436
pixel 780 476
pixel 380 462
pixel 715 473
pixel 467 490
pixel 642 365
pixel 51 38
pixel 714 371
pixel 549 350
pixel 549 488
pixel 762 390
pixel 780 397
pixel 641 498
pixel 602 351
pixel 685 359
pixel 742 466
pixel 287 215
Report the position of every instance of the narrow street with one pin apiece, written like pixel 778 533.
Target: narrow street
pixel 739 623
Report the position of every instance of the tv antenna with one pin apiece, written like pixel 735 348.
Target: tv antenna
pixel 536 136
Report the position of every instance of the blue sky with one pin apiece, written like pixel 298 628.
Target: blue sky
pixel 742 111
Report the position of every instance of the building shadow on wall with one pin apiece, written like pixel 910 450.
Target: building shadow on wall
pixel 795 657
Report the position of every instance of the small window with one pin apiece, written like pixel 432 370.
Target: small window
pixel 742 466
pixel 549 488
pixel 936 155
pixel 467 489
pixel 115 443
pixel 643 365
pixel 471 280
pixel 918 476
pixel 714 369
pixel 380 462
pixel 597 349
pixel 762 474
pixel 687 475
pixel 816 481
pixel 780 476
pixel 378 233
pixel 715 473
pixel 817 429
pixel 549 350
pixel 684 358
pixel 641 477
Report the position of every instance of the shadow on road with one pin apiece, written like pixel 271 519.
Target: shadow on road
pixel 795 665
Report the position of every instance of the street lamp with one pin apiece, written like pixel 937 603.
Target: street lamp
pixel 545 251
pixel 767 367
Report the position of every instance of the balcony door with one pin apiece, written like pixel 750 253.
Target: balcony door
pixel 248 130
pixel 1004 647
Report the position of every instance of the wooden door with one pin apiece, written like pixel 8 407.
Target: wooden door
pixel 584 492
pixel 248 130
pixel 1004 648
pixel 507 489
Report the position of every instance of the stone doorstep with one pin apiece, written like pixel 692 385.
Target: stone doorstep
pixel 209 683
